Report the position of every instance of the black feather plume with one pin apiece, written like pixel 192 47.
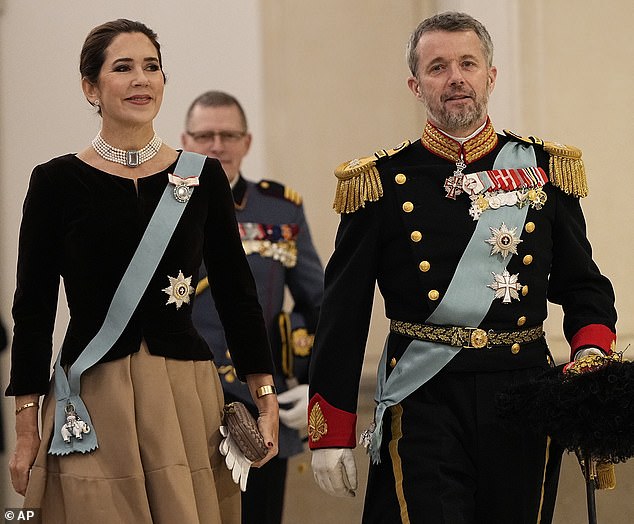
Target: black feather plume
pixel 592 412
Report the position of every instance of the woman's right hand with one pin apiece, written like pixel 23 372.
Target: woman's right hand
pixel 26 446
pixel 268 414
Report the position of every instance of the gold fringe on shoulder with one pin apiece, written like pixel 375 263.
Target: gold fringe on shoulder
pixel 566 170
pixel 358 182
pixel 292 195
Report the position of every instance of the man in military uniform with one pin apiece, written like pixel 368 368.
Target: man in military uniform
pixel 468 234
pixel 276 238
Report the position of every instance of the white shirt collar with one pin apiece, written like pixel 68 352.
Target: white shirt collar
pixel 462 140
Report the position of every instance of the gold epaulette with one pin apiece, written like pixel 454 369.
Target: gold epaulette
pixel 292 195
pixel 565 169
pixel 275 189
pixel 358 181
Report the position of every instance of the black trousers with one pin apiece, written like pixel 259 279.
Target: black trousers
pixel 447 458
pixel 263 501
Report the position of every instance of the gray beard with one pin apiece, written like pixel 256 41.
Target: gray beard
pixel 453 121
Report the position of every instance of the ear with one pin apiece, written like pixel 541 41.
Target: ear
pixel 493 73
pixel 414 86
pixel 91 91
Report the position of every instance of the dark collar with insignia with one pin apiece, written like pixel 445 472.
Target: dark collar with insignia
pixel 239 192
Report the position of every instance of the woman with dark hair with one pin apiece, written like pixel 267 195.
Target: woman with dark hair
pixel 130 422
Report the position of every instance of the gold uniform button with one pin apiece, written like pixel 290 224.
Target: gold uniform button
pixel 524 291
pixel 424 266
pixel 515 348
pixel 433 295
pixel 529 227
pixel 416 236
pixel 528 260
pixel 521 321
pixel 393 362
pixel 400 178
pixel 408 207
pixel 264 185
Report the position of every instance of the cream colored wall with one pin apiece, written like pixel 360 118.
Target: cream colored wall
pixel 580 93
pixel 322 83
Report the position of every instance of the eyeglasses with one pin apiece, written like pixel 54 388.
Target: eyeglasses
pixel 209 136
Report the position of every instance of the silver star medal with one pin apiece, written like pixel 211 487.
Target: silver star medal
pixel 179 290
pixel 183 187
pixel 506 286
pixel 503 241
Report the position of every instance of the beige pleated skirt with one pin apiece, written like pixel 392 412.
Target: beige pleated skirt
pixel 157 425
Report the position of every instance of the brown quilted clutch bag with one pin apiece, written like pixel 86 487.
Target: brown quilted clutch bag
pixel 244 430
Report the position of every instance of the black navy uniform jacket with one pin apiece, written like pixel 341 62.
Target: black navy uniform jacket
pixel 280 252
pixel 412 256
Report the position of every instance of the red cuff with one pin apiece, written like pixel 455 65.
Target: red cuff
pixel 596 335
pixel 329 427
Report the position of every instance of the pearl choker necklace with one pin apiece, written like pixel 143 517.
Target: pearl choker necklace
pixel 130 158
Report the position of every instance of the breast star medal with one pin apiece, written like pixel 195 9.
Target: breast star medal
pixel 506 286
pixel 503 241
pixel 179 290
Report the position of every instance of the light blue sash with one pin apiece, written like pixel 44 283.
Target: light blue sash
pixel 124 302
pixel 465 303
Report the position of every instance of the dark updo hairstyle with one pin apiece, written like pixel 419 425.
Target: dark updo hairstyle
pixel 93 52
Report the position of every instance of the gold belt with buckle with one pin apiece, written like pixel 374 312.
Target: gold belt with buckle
pixel 466 337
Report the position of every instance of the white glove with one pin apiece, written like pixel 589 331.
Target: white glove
pixel 335 471
pixel 235 460
pixel 295 417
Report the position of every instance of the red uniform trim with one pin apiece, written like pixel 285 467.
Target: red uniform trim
pixel 595 335
pixel 338 428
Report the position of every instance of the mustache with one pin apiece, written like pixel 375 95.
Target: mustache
pixel 458 92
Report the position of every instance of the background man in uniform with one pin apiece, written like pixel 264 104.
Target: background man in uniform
pixel 276 238
pixel 468 234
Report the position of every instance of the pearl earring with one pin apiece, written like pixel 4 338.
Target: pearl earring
pixel 96 102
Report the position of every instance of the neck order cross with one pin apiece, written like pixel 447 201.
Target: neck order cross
pixel 131 158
